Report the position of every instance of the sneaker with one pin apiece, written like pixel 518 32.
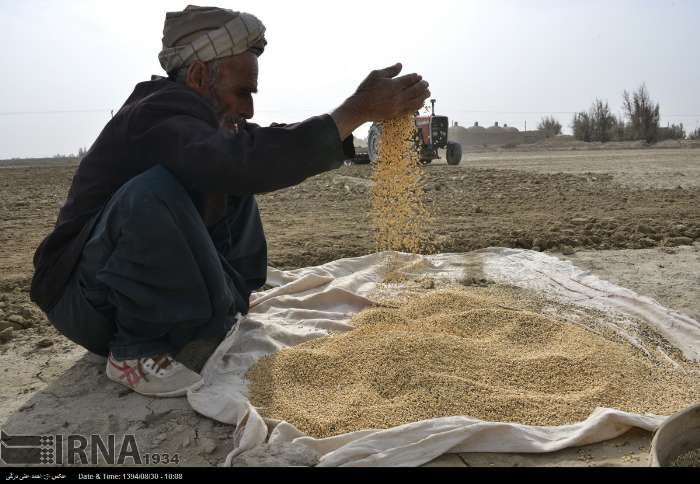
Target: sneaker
pixel 157 376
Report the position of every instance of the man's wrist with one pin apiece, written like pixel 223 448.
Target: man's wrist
pixel 347 119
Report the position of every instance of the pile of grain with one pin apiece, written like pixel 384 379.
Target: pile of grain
pixel 460 352
pixel 398 212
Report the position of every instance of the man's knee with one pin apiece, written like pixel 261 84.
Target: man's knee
pixel 152 201
pixel 76 318
pixel 157 182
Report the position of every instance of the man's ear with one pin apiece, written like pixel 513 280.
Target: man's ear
pixel 198 78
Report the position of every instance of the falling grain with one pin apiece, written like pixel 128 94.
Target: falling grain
pixel 398 212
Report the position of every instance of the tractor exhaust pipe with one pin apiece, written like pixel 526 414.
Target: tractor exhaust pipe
pixel 432 102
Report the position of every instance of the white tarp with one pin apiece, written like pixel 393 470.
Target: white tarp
pixel 312 302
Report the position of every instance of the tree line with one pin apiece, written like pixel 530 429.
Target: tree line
pixel 639 121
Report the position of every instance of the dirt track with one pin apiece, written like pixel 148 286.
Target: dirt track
pixel 584 202
pixel 640 168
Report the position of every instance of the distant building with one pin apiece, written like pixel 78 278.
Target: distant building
pixel 495 135
pixel 476 128
pixel 495 128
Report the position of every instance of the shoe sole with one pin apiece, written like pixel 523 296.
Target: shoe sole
pixel 175 393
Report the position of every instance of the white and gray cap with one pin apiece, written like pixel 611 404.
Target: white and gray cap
pixel 208 33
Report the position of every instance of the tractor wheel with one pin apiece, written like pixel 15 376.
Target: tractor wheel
pixel 454 153
pixel 375 132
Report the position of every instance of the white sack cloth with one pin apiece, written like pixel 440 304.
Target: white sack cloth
pixel 311 302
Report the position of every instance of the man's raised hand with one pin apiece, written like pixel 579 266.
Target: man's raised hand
pixel 381 96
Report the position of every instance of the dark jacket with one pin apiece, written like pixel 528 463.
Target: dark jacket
pixel 166 123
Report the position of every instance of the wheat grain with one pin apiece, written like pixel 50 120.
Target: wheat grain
pixel 460 352
pixel 398 213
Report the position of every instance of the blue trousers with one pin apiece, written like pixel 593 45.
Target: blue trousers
pixel 153 278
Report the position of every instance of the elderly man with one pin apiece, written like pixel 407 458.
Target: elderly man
pixel 160 244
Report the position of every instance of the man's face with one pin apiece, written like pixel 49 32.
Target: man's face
pixel 232 91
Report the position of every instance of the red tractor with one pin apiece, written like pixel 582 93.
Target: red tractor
pixel 431 135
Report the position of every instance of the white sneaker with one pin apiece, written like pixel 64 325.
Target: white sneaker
pixel 157 376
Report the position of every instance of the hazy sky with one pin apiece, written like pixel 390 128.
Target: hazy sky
pixel 507 61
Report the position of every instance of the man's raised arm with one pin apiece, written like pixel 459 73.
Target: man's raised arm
pixel 258 160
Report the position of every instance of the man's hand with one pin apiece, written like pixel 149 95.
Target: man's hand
pixel 381 96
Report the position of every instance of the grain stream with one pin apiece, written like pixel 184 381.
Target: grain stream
pixel 398 213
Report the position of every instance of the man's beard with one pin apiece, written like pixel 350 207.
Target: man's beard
pixel 228 121
pixel 231 122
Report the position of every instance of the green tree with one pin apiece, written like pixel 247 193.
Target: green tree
pixel 597 124
pixel 619 131
pixel 602 122
pixel 550 126
pixel 642 114
pixel 695 134
pixel 581 126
